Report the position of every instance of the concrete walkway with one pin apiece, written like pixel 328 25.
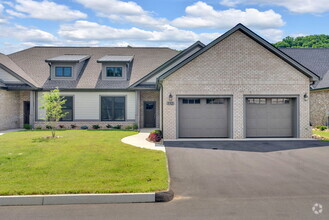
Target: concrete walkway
pixel 11 130
pixel 139 140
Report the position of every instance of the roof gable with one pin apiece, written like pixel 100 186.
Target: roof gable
pixel 259 40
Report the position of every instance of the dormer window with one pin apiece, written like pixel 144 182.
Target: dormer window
pixel 114 72
pixel 63 71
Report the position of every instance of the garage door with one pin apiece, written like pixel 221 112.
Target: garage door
pixel 270 117
pixel 203 117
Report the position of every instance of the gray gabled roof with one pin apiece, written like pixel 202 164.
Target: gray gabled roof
pixel 8 64
pixel 259 40
pixel 167 64
pixel 114 58
pixel 315 59
pixel 74 58
pixel 32 61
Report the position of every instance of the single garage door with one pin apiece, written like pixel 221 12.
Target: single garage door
pixel 270 117
pixel 203 117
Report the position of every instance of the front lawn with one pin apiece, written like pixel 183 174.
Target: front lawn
pixel 83 161
pixel 324 134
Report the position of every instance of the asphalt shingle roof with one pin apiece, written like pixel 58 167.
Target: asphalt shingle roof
pixel 315 59
pixel 32 61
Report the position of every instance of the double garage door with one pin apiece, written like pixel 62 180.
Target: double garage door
pixel 211 117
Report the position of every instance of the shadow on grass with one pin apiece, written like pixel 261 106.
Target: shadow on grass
pixel 108 130
pixel 40 140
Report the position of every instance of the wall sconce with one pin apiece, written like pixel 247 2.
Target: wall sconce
pixel 170 97
pixel 305 97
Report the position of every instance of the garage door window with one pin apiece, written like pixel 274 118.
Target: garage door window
pixel 280 101
pixel 191 101
pixel 215 101
pixel 256 101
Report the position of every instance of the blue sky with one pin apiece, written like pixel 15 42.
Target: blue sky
pixel 169 23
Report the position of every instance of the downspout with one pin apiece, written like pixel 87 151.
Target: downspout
pixel 161 105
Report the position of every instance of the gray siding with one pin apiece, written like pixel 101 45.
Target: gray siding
pixel 7 77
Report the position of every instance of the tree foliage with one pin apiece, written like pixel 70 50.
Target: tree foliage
pixel 53 103
pixel 312 41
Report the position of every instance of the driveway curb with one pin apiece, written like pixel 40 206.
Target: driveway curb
pixel 65 199
pixel 164 196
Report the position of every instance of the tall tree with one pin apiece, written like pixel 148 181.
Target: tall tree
pixel 312 41
pixel 53 103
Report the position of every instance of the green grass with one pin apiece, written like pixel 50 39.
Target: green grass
pixel 82 161
pixel 324 134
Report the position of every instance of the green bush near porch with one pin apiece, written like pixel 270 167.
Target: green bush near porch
pixel 82 161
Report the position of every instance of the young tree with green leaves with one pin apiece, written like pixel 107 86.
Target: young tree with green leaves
pixel 53 103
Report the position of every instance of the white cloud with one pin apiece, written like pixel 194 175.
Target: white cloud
pixel 202 15
pixel 26 34
pixel 85 30
pixel 297 6
pixel 272 35
pixel 3 20
pixel 45 9
pixel 124 11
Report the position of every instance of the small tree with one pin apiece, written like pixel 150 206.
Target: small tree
pixel 53 103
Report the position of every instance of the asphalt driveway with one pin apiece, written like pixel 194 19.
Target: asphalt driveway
pixel 223 180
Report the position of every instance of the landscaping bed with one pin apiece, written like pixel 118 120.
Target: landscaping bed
pixel 82 161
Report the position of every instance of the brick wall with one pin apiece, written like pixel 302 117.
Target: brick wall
pixel 150 96
pixel 103 124
pixel 236 66
pixel 319 107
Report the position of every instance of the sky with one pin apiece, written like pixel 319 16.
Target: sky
pixel 152 23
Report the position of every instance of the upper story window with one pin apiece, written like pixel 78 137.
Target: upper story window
pixel 61 71
pixel 113 71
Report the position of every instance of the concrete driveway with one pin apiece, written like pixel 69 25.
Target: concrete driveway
pixel 223 180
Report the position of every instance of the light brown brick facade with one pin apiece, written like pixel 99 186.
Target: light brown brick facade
pixel 11 108
pixel 236 66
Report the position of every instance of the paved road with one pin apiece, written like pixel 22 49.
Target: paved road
pixel 239 180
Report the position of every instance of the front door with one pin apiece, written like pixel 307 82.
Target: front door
pixel 26 112
pixel 149 114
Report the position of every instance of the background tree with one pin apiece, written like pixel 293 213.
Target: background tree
pixel 312 41
pixel 53 103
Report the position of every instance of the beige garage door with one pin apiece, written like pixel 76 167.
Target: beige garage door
pixel 270 117
pixel 203 117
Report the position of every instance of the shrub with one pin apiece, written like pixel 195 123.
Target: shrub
pixel 109 126
pixel 73 126
pixel 84 127
pixel 128 127
pixel 27 126
pixel 96 127
pixel 322 128
pixel 49 127
pixel 38 127
pixel 135 126
pixel 154 137
pixel 117 127
pixel 61 126
pixel 159 132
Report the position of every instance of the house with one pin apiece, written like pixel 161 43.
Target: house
pixel 238 86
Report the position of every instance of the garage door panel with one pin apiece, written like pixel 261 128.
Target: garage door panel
pixel 273 119
pixel 203 119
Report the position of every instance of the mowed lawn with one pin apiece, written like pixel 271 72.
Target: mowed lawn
pixel 83 161
pixel 324 134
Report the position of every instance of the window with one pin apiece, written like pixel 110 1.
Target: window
pixel 113 71
pixel 280 101
pixel 113 108
pixel 215 101
pixel 67 109
pixel 63 71
pixel 257 101
pixel 191 101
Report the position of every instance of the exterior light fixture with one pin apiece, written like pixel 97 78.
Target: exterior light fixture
pixel 305 97
pixel 170 97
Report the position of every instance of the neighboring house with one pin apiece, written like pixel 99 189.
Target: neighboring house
pixel 316 60
pixel 237 86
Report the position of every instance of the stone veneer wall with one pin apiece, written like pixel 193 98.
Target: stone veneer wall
pixel 236 66
pixel 319 107
pixel 149 96
pixel 12 108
